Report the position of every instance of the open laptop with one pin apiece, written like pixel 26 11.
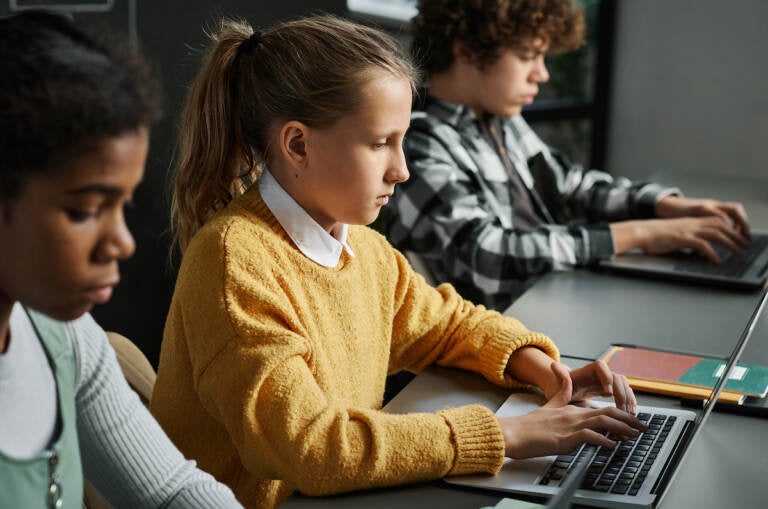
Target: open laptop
pixel 633 475
pixel 748 271
pixel 564 496
pixel 576 475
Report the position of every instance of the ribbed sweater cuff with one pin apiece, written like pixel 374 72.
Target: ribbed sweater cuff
pixel 478 439
pixel 495 355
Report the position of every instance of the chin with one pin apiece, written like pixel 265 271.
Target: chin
pixel 65 313
pixel 512 111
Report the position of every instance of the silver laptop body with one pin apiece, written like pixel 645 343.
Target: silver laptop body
pixel 534 476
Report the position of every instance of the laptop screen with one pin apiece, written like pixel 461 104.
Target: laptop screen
pixel 733 358
pixel 562 499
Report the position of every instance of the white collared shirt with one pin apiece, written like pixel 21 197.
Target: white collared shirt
pixel 311 239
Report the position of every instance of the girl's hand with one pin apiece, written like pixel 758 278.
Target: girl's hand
pixel 559 428
pixel 593 380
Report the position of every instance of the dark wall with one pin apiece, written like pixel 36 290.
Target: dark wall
pixel 171 33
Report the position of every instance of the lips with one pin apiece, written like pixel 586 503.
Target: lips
pixel 383 199
pixel 100 294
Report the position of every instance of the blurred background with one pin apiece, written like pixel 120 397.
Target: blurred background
pixel 668 90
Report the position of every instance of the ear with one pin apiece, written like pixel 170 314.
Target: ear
pixel 293 145
pixel 462 54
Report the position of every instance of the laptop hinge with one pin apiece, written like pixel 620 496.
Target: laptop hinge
pixel 671 466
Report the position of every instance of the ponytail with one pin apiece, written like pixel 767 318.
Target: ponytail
pixel 211 146
pixel 310 70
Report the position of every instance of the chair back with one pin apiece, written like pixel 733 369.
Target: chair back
pixel 136 368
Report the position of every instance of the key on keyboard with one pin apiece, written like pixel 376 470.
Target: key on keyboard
pixel 621 470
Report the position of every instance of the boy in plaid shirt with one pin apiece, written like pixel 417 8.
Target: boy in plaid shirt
pixel 490 207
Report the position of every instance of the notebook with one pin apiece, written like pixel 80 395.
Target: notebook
pixel 683 374
pixel 633 475
pixel 748 271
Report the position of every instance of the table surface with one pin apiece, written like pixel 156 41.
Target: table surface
pixel 584 312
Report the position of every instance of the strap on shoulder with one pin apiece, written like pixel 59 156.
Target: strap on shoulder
pixel 52 333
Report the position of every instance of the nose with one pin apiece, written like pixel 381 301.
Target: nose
pixel 540 73
pixel 398 169
pixel 117 242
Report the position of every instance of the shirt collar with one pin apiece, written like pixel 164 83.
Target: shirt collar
pixel 461 116
pixel 454 114
pixel 317 244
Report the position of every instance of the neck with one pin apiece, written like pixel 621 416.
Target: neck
pixel 449 87
pixel 296 188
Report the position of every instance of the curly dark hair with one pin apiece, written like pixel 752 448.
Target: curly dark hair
pixel 486 27
pixel 62 93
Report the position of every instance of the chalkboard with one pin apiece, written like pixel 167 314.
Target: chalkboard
pixel 118 13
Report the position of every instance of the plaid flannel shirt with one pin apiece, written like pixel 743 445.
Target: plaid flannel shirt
pixel 456 210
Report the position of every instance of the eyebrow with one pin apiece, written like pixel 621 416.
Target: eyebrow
pixel 538 50
pixel 96 188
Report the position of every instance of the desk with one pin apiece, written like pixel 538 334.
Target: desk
pixel 584 312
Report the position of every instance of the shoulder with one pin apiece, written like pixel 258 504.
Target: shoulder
pixel 89 343
pixel 431 123
pixel 441 130
pixel 237 236
pixel 365 238
pixel 369 245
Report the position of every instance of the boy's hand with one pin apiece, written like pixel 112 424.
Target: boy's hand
pixel 678 206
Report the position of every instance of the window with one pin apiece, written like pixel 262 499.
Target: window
pixel 571 110
pixel 388 11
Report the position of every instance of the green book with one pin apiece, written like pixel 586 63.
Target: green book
pixel 686 369
pixel 746 378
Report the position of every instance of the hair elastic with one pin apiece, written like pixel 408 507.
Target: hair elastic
pixel 253 41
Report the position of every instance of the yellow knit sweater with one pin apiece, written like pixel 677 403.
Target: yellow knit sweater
pixel 272 367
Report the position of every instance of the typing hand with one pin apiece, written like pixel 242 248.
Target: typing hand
pixel 559 428
pixel 662 236
pixel 594 379
pixel 679 206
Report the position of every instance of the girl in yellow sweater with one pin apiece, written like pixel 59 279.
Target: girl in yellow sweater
pixel 289 313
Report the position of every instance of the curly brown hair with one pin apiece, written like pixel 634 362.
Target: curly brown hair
pixel 486 27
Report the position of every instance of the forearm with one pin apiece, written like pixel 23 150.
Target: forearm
pixel 532 366
pixel 506 255
pixel 125 453
pixel 628 235
pixel 597 196
pixel 321 444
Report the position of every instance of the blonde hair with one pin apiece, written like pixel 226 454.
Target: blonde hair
pixel 310 70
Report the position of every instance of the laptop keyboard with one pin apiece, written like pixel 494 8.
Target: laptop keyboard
pixel 730 265
pixel 620 470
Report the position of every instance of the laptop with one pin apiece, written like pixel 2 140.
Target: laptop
pixel 749 271
pixel 564 496
pixel 633 475
pixel 572 482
